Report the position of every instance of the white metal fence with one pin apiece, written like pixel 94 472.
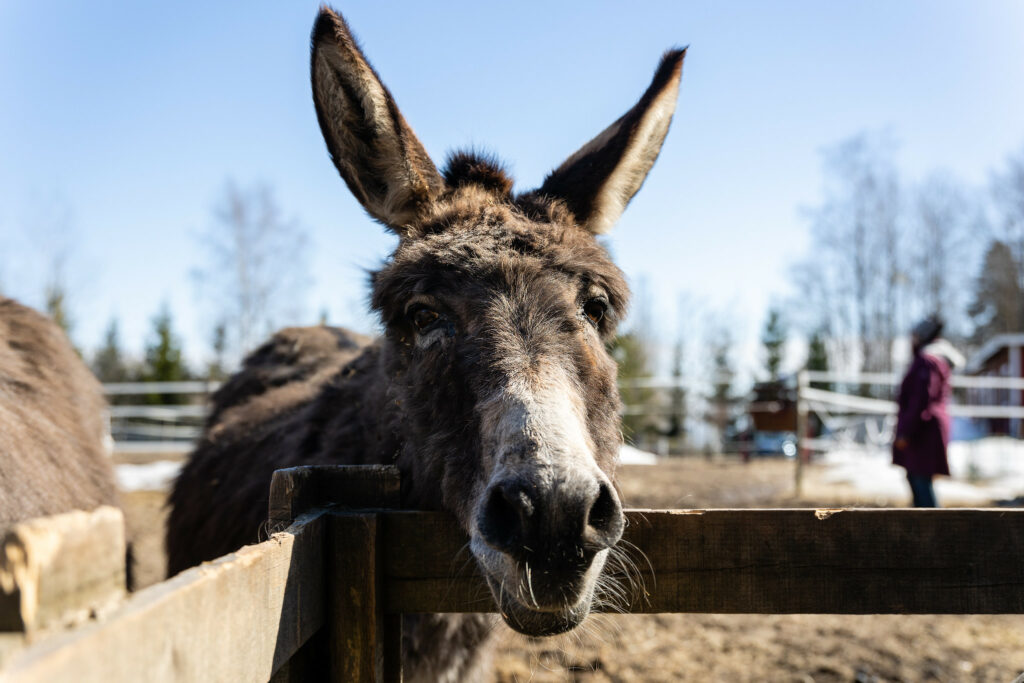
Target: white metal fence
pixel 139 422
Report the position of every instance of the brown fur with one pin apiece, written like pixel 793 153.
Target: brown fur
pixel 498 404
pixel 53 456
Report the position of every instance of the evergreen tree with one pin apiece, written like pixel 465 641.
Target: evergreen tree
pixel 773 339
pixel 817 358
pixel 108 364
pixel 677 419
pixel 632 354
pixel 998 302
pixel 164 361
pixel 56 307
pixel 722 398
pixel 215 371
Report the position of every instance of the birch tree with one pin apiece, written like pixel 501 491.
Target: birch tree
pixel 255 275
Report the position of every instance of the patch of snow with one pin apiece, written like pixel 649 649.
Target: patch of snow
pixel 982 471
pixel 634 456
pixel 159 475
pixel 153 476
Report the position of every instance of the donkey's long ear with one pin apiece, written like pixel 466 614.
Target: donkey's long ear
pixel 599 180
pixel 374 149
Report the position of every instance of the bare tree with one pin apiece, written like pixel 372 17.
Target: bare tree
pixel 857 250
pixel 52 238
pixel 813 310
pixel 944 236
pixel 256 270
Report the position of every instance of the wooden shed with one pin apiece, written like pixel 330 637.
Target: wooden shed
pixel 1000 356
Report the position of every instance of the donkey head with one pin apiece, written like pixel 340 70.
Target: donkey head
pixel 497 309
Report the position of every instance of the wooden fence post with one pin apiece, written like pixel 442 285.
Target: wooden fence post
pixel 365 643
pixel 802 450
pixel 362 643
pixel 296 490
pixel 58 570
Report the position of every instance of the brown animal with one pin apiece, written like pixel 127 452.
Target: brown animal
pixel 491 389
pixel 53 454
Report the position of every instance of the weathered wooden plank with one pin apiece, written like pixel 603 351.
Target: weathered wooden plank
pixel 428 567
pixel 840 562
pixel 10 644
pixel 297 490
pixel 309 663
pixel 361 643
pixel 757 561
pixel 58 570
pixel 242 617
pixel 365 643
pixel 356 617
pixel 239 618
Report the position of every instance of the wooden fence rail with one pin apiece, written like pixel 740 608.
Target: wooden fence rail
pixel 790 561
pixel 240 618
pixel 323 599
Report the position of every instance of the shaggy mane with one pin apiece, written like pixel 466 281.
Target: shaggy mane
pixel 470 167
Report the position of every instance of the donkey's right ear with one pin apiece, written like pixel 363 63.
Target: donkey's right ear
pixel 374 149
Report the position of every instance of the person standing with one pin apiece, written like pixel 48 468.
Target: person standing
pixel 923 424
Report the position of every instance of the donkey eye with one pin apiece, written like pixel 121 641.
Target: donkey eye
pixel 595 310
pixel 423 317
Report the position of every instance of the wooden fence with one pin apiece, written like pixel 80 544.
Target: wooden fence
pixel 323 598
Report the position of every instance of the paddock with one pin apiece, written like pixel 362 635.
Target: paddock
pixel 206 625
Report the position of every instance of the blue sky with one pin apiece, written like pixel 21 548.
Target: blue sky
pixel 124 121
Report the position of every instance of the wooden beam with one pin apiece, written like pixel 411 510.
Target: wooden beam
pixel 56 571
pixel 309 663
pixel 297 490
pixel 239 618
pixel 364 642
pixel 867 561
pixel 361 642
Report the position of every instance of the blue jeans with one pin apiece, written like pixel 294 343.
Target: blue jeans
pixel 921 488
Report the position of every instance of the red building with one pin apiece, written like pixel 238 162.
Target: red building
pixel 1001 356
pixel 772 406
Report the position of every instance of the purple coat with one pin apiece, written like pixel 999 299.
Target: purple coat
pixel 923 420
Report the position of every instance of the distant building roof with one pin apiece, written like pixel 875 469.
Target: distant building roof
pixel 991 347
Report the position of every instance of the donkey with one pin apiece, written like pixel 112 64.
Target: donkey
pixel 491 388
pixel 53 435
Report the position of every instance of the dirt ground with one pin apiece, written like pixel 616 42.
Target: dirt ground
pixel 702 647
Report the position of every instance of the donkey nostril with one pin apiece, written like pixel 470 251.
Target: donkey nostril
pixel 604 521
pixel 504 517
pixel 603 510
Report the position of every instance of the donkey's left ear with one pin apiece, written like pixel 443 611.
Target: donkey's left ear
pixel 602 176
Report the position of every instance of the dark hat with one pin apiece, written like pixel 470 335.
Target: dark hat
pixel 928 330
